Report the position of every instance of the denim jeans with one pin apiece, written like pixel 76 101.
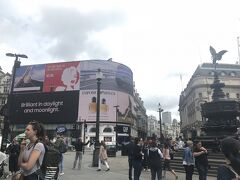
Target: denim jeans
pixel 202 171
pixel 61 164
pixel 78 157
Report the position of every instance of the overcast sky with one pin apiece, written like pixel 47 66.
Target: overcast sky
pixel 158 40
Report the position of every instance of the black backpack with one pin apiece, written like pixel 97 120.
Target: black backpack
pixel 52 158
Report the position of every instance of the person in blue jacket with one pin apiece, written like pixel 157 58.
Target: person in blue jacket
pixel 188 160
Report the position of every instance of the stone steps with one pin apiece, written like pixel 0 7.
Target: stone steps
pixel 214 159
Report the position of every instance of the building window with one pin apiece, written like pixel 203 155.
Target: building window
pixel 232 74
pixel 227 95
pixel 211 73
pixel 107 129
pixel 200 95
pixel 222 73
pixel 92 129
pixel 5 89
pixel 3 100
pixel 237 95
pixel 107 139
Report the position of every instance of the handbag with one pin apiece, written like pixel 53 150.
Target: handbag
pixel 18 176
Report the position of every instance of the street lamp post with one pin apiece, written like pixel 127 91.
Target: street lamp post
pixel 160 110
pixel 97 143
pixel 116 131
pixel 9 101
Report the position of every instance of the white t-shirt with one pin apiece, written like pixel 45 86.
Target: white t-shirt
pixel 26 153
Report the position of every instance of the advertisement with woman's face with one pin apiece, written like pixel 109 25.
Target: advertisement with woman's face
pixel 62 77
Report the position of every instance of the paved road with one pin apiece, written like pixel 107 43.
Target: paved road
pixel 118 169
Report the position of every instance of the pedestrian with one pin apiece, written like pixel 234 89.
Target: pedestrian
pixel 59 143
pixel 130 157
pixel 31 155
pixel 167 160
pixel 103 156
pixel 188 160
pixel 137 158
pixel 79 145
pixel 231 170
pixel 201 161
pixel 145 149
pixel 155 157
pixel 13 151
pixel 47 141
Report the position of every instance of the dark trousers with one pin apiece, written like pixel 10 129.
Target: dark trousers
pixel 130 164
pixel 156 171
pixel 202 171
pixel 189 171
pixel 137 166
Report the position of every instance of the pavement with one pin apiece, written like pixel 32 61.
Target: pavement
pixel 118 169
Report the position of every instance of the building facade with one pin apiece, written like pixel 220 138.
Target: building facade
pixel 5 81
pixel 153 126
pixel 198 91
pixel 167 117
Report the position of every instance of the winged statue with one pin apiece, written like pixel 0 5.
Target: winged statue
pixel 216 56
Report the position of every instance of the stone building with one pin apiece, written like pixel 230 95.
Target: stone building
pixel 5 81
pixel 198 91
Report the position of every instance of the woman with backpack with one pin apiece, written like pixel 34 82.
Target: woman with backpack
pixel 31 154
pixel 155 161
pixel 231 170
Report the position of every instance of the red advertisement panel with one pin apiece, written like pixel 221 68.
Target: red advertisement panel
pixel 62 77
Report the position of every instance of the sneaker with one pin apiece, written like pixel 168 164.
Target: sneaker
pixel 107 169
pixel 98 169
pixel 62 173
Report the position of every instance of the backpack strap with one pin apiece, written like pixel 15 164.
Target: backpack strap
pixel 232 170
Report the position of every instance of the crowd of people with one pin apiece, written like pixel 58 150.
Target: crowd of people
pixel 151 155
pixel 155 156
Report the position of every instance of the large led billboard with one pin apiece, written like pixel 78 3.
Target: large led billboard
pixel 75 81
pixel 58 107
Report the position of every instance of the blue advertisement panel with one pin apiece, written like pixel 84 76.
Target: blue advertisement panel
pixel 29 78
pixel 116 76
